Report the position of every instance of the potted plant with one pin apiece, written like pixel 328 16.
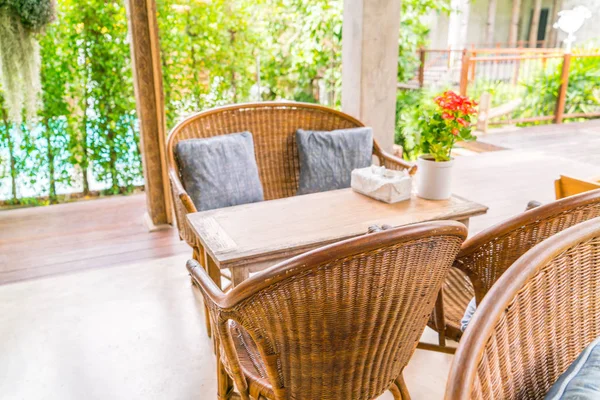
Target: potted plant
pixel 441 127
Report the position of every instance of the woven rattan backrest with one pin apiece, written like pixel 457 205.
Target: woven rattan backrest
pixel 534 322
pixel 487 255
pixel 273 126
pixel 342 322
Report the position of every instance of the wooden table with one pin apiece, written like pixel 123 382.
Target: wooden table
pixel 252 237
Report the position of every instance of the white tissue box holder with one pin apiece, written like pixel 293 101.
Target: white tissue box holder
pixel 383 184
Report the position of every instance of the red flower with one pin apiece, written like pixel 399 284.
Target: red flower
pixel 446 115
pixel 461 121
pixel 452 102
pixel 455 131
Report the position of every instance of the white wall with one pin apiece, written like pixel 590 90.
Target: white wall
pixel 478 16
pixel 438 33
pixel 591 28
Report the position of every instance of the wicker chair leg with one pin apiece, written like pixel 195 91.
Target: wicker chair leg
pixel 402 389
pixel 453 333
pixel 440 320
pixel 441 328
pixel 224 381
pixel 395 392
pixel 436 347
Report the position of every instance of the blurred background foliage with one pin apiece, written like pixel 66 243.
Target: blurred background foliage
pixel 84 140
pixel 537 92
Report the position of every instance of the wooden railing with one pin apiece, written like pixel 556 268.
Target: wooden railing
pixel 520 44
pixel 470 70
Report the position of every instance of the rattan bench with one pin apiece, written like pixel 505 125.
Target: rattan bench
pixel 273 126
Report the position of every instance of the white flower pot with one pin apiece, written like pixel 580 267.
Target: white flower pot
pixel 434 179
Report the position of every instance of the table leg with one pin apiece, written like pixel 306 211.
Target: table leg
pixel 199 256
pixel 238 275
pixel 213 270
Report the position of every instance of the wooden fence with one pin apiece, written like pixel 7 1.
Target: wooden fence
pixel 471 71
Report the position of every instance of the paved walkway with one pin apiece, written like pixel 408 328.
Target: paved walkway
pixel 578 141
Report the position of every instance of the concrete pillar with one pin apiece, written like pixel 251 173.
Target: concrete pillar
pixel 459 24
pixel 370 64
pixel 513 33
pixel 535 21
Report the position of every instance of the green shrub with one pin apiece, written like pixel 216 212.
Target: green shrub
pixel 539 93
pixel 583 91
pixel 409 107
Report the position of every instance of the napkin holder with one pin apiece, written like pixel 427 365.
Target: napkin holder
pixel 389 186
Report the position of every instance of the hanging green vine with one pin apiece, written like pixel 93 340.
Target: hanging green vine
pixel 20 23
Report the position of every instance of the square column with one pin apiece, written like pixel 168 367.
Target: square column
pixel 370 64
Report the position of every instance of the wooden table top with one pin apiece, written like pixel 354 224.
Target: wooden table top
pixel 276 229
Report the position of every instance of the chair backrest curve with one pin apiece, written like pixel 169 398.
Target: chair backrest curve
pixel 534 322
pixel 273 126
pixel 487 255
pixel 343 321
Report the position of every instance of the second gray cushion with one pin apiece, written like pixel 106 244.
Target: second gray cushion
pixel 328 158
pixel 220 171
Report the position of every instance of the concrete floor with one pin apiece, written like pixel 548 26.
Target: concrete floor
pixel 132 332
pixel 136 330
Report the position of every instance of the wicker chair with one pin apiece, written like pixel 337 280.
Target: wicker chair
pixel 485 256
pixel 534 322
pixel 273 126
pixel 340 322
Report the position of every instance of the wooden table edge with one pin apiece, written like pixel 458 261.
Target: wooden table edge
pixel 248 260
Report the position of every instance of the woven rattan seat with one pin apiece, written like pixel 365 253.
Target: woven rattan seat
pixel 484 257
pixel 340 322
pixel 534 322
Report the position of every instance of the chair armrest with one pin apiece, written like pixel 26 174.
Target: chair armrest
pixel 393 162
pixel 180 194
pixel 212 293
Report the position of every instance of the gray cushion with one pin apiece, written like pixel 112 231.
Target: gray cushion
pixel 220 171
pixel 581 381
pixel 328 158
pixel 471 308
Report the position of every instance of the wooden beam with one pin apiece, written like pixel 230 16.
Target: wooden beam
pixel 370 64
pixel 147 76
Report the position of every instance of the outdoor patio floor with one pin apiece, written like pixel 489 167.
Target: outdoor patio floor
pixel 112 314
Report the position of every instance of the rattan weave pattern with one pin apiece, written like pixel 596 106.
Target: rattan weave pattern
pixel 342 328
pixel 552 312
pixel 486 256
pixel 489 262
